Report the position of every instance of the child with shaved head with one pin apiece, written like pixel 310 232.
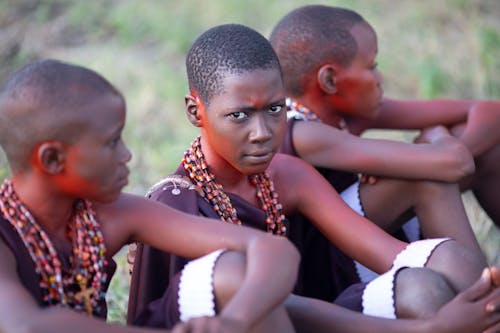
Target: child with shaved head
pixel 63 216
pixel 328 55
pixel 232 172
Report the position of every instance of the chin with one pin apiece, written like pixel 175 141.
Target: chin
pixel 109 197
pixel 255 169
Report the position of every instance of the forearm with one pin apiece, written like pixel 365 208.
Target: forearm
pixel 312 315
pixel 57 320
pixel 446 160
pixel 271 274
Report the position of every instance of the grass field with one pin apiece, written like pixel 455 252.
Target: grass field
pixel 427 49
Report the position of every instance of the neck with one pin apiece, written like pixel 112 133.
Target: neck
pixel 322 107
pixel 197 165
pixel 51 210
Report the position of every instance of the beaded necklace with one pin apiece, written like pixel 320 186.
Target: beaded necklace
pixel 197 169
pixel 80 288
pixel 295 109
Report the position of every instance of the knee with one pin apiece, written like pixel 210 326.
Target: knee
pixel 431 189
pixel 229 273
pixel 420 293
pixel 459 264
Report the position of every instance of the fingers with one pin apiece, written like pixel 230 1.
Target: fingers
pixel 480 288
pixel 495 276
pixel 493 304
pixel 367 179
pixel 180 328
pixel 493 329
pixel 201 325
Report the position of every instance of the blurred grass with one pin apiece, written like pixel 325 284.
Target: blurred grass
pixel 427 49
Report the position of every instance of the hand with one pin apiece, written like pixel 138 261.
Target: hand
pixel 477 309
pixel 209 325
pixel 432 134
pixel 368 179
pixel 457 130
pixel 495 276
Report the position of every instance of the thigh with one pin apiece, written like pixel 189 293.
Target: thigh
pixel 387 203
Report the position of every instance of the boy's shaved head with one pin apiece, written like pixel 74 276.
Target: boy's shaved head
pixel 309 36
pixel 226 49
pixel 47 100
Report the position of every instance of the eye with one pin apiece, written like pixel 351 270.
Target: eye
pixel 239 115
pixel 374 66
pixel 276 109
pixel 114 142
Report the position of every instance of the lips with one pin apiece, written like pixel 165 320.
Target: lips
pixel 123 179
pixel 261 156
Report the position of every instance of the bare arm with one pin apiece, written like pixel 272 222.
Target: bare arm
pixel 445 159
pixel 481 119
pixel 312 196
pixel 466 314
pixel 20 313
pixel 192 236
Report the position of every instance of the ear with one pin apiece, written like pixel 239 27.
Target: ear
pixel 326 78
pixel 51 157
pixel 193 104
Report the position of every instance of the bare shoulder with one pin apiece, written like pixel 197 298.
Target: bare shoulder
pixel 125 206
pixel 284 165
pixel 313 129
pixel 120 219
pixel 290 176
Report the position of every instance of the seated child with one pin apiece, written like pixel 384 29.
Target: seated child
pixel 328 57
pixel 334 75
pixel 232 172
pixel 63 217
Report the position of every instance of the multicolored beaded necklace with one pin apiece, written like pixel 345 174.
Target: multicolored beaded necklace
pixel 295 109
pixel 197 169
pixel 80 288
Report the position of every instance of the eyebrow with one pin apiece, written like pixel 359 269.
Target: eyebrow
pixel 115 131
pixel 251 108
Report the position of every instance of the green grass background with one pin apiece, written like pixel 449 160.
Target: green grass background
pixel 427 49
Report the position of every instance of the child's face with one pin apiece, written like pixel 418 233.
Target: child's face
pixel 95 166
pixel 244 125
pixel 359 86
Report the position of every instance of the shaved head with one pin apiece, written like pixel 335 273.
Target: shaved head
pixel 44 101
pixel 309 36
pixel 223 50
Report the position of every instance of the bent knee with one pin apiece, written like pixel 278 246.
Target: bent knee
pixel 420 293
pixel 460 265
pixel 229 273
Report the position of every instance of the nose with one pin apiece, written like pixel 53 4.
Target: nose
pixel 260 131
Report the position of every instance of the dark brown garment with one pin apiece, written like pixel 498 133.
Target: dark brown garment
pixel 343 271
pixel 26 267
pixel 152 304
pixel 340 180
